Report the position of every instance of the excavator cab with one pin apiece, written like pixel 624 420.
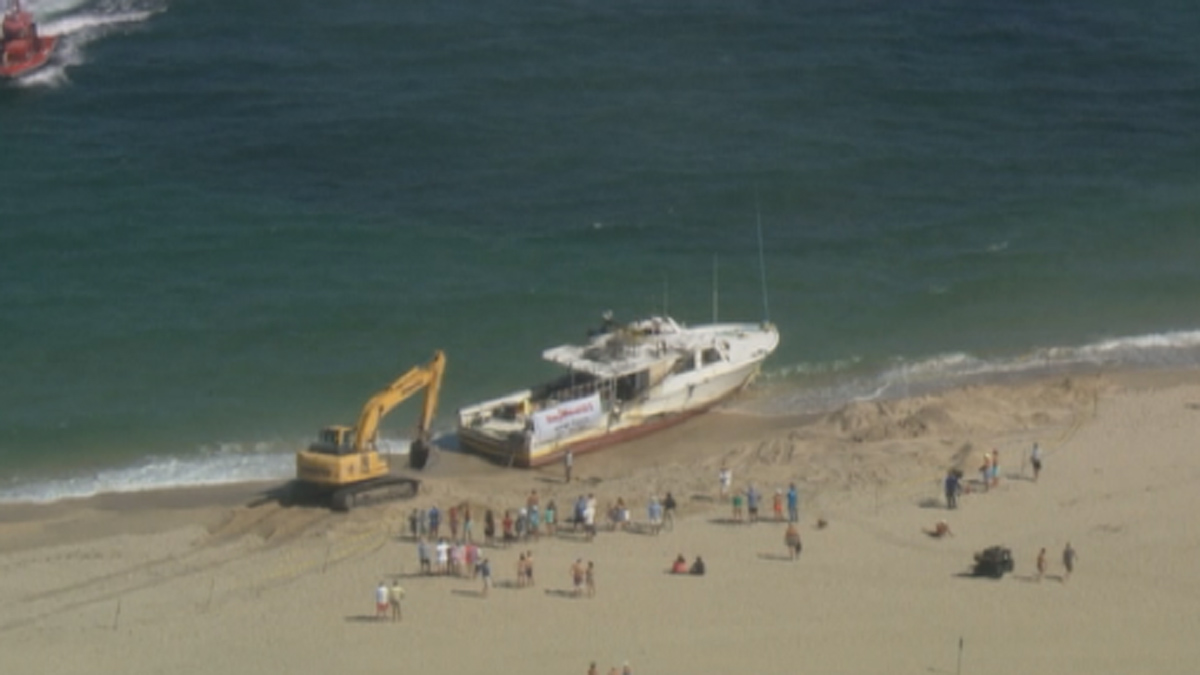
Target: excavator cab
pixel 334 440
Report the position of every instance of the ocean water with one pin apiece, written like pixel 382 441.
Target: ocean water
pixel 225 226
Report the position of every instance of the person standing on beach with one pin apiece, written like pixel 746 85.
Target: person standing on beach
pixel 577 574
pixel 952 489
pixel 435 518
pixel 382 599
pixel 793 504
pixel 589 518
pixel 452 518
pixel 752 499
pixel 489 528
pixel 737 507
pixel 724 480
pixel 1041 564
pixel 551 518
pixel 593 670
pixel 443 556
pixel 985 471
pixel 1068 561
pixel 395 594
pixel 568 464
pixel 777 505
pixel 654 513
pixel 485 571
pixel 577 519
pixel 1035 458
pixel 423 557
pixel 791 539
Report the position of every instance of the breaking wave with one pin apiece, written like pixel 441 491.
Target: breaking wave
pixel 810 389
pixel 229 463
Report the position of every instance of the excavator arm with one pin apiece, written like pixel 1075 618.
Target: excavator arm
pixel 427 377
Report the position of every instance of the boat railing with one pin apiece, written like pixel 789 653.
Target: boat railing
pixel 578 391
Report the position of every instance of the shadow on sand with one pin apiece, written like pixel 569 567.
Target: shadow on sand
pixel 729 521
pixel 367 618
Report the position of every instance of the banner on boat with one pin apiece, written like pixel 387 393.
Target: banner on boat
pixel 566 419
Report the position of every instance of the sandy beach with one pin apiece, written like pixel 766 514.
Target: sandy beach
pixel 223 580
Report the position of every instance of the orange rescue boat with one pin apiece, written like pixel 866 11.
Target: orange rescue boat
pixel 23 49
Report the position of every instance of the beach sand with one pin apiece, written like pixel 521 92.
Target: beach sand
pixel 220 580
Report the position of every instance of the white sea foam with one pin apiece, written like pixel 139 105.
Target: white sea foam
pixel 79 23
pixel 228 463
pixel 909 377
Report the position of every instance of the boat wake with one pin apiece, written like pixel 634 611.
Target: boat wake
pixel 80 22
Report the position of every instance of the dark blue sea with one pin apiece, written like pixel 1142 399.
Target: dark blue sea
pixel 225 225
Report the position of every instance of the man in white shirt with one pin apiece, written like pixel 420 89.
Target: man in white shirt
pixel 381 601
pixel 443 556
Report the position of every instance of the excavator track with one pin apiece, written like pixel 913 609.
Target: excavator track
pixel 374 491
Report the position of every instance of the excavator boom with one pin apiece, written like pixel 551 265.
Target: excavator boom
pixel 428 377
pixel 345 462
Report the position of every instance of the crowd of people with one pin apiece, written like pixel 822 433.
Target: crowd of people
pixel 461 555
pixel 747 504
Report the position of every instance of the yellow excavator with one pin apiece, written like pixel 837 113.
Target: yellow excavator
pixel 345 465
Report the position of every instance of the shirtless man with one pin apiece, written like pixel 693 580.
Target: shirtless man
pixel 1041 564
pixel 577 574
pixel 791 539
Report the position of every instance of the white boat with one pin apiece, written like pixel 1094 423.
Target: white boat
pixel 624 382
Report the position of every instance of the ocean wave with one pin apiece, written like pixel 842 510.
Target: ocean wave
pixel 808 389
pixel 226 464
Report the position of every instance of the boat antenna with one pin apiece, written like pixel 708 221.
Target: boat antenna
pixel 666 296
pixel 715 295
pixel 762 261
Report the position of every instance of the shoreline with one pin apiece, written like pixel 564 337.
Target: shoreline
pixel 732 425
pixel 234 582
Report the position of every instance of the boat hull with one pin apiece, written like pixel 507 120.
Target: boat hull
pixel 675 405
pixel 31 61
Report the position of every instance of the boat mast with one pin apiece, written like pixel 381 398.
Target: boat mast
pixel 762 261
pixel 714 288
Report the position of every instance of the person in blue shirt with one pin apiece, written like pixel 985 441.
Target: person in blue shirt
pixel 953 487
pixel 793 504
pixel 435 518
pixel 752 497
